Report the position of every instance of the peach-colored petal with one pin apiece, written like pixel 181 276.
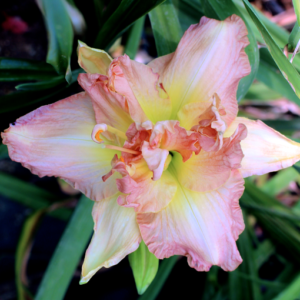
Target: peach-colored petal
pixel 138 188
pixel 116 234
pixel 160 63
pixel 55 140
pixel 265 150
pixel 201 226
pixel 137 81
pixel 210 58
pixel 209 170
pixel 94 61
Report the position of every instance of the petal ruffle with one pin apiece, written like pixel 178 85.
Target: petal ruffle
pixel 265 150
pixel 116 234
pixel 209 170
pixel 55 140
pixel 138 188
pixel 210 58
pixel 137 82
pixel 201 226
pixel 93 61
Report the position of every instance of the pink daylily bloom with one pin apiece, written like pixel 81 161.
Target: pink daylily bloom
pixel 158 147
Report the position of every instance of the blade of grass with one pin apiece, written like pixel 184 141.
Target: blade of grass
pixel 280 181
pixel 30 195
pixel 239 287
pixel 134 38
pixel 42 85
pixel 23 250
pixel 291 292
pixel 287 69
pixel 68 253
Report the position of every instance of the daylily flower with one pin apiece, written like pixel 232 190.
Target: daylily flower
pixel 158 147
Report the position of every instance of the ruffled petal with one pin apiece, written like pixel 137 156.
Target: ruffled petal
pixel 210 58
pixel 110 108
pixel 55 140
pixel 116 234
pixel 139 190
pixel 137 82
pixel 93 61
pixel 201 226
pixel 265 150
pixel 209 170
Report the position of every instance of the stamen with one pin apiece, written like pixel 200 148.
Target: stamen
pixel 97 136
pixel 117 132
pixel 99 128
pixel 122 149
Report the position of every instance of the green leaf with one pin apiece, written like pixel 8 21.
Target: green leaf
pixel 279 34
pixel 30 195
pixel 280 181
pixel 188 12
pixel 166 28
pixel 292 292
pixel 24 69
pixel 281 230
pixel 294 38
pixel 25 64
pixel 296 4
pixel 287 69
pixel 222 10
pixel 21 99
pixel 284 126
pixel 42 85
pixel 239 287
pixel 22 75
pixel 60 34
pixel 144 266
pixel 134 38
pixel 260 91
pixel 68 253
pixel 123 16
pixel 162 275
pixel 271 77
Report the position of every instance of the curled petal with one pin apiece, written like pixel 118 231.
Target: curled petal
pixel 210 58
pixel 116 234
pixel 94 61
pixel 155 158
pixel 137 82
pixel 209 170
pixel 265 150
pixel 55 140
pixel 139 190
pixel 201 226
pixel 170 136
pixel 211 126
